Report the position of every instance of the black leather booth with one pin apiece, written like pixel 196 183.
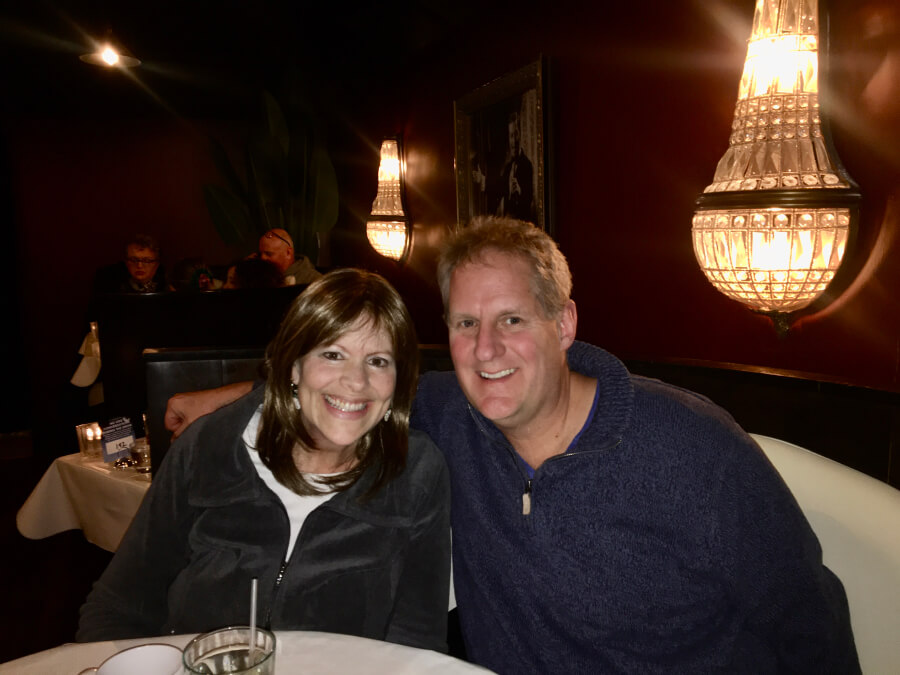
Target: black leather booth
pixel 172 371
pixel 130 323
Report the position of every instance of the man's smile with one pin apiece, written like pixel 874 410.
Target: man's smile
pixel 496 376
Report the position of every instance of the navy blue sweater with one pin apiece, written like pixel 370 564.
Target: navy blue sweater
pixel 662 542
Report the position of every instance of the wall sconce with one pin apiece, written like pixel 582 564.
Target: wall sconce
pixel 770 231
pixel 388 227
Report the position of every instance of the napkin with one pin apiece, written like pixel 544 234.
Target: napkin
pixel 89 368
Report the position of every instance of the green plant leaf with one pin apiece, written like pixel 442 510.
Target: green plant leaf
pixel 226 168
pixel 274 122
pixel 229 215
pixel 291 182
pixel 267 177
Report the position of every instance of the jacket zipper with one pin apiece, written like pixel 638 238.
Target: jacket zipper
pixel 526 495
pixel 287 561
pixel 526 498
pixel 278 578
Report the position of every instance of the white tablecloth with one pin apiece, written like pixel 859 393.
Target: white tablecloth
pixel 78 493
pixel 302 652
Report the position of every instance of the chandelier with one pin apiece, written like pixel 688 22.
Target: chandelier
pixel 772 228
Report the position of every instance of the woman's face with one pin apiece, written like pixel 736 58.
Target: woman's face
pixel 346 387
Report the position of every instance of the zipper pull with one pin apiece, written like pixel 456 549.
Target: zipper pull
pixel 280 574
pixel 526 498
pixel 281 570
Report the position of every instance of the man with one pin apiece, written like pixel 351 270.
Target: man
pixel 604 522
pixel 140 272
pixel 277 247
pixel 517 178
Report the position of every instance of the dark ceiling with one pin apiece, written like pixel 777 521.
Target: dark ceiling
pixel 202 58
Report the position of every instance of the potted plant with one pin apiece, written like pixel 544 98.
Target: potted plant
pixel 288 182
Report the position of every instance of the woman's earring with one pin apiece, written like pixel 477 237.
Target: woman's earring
pixel 387 415
pixel 296 395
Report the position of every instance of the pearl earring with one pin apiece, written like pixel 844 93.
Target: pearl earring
pixel 296 395
pixel 387 415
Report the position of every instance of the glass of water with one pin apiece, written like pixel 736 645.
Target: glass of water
pixel 227 650
pixel 140 453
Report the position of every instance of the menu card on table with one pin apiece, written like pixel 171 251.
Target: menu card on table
pixel 118 439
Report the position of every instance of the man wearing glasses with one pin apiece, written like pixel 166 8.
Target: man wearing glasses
pixel 142 261
pixel 141 272
pixel 277 247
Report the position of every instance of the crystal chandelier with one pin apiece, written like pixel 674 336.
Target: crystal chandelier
pixel 770 231
pixel 388 227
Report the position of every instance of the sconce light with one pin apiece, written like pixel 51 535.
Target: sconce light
pixel 388 227
pixel 110 54
pixel 771 229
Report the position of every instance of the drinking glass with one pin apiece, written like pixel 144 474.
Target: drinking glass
pixel 140 453
pixel 227 650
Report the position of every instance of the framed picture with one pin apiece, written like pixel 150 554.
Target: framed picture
pixel 502 150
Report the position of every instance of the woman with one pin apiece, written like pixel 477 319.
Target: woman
pixel 253 273
pixel 192 274
pixel 307 485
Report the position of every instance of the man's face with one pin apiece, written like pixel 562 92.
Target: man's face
pixel 142 263
pixel 277 252
pixel 509 358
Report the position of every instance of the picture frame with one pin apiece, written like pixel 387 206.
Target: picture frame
pixel 503 149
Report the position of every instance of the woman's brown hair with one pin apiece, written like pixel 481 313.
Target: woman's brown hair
pixel 331 306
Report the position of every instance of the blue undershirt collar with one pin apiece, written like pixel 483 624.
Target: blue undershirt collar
pixel 527 467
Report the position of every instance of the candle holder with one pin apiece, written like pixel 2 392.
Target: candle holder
pixel 90 440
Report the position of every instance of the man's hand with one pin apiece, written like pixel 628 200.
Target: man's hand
pixel 183 409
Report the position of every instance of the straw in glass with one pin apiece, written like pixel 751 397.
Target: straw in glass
pixel 253 584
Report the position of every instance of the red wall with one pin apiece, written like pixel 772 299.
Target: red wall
pixel 80 189
pixel 643 100
pixel 644 106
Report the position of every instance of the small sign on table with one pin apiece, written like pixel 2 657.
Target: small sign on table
pixel 118 439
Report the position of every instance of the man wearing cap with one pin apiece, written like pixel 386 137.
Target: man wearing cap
pixel 277 247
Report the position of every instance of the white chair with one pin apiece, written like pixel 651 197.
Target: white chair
pixel 857 521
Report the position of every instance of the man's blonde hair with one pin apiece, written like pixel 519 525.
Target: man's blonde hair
pixel 551 279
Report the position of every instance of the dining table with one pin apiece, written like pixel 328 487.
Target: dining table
pixel 306 652
pixel 82 492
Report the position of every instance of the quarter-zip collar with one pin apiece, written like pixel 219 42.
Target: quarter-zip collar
pixel 602 432
pixel 615 399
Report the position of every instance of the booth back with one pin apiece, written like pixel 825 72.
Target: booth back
pixel 173 371
pixel 855 426
pixel 130 323
pixel 857 521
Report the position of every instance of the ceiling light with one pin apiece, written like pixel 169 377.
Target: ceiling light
pixel 110 54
